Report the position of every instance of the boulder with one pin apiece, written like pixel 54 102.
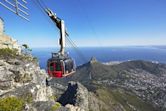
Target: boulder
pixel 75 97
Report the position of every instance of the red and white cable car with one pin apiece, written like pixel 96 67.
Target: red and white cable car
pixel 60 64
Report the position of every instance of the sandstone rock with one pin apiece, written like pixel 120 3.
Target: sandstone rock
pixel 76 95
pixel 73 108
pixel 42 106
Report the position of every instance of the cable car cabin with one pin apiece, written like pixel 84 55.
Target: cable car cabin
pixel 60 66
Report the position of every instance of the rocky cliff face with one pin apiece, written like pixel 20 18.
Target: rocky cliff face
pixel 23 79
pixel 76 95
pixel 78 98
pixel 23 88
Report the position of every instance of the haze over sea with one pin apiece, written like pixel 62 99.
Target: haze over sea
pixel 105 54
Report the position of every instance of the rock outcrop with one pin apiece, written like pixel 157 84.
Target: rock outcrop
pixel 75 97
pixel 25 80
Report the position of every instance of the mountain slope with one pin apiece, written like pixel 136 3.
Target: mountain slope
pixel 143 80
pixel 99 71
pixel 119 99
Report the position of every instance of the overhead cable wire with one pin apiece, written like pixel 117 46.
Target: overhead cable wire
pixel 42 6
pixel 80 54
pixel 90 25
pixel 42 10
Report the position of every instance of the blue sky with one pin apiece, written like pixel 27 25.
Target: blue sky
pixel 92 23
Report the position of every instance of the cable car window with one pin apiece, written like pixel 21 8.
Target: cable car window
pixel 58 66
pixel 66 66
pixel 51 66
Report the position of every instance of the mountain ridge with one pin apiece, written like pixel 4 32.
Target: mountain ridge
pixel 144 79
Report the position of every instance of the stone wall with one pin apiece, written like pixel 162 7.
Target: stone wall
pixel 7 41
pixel 1 26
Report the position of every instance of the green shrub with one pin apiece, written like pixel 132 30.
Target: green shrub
pixel 8 53
pixel 26 49
pixel 53 97
pixel 11 104
pixel 55 106
pixel 35 59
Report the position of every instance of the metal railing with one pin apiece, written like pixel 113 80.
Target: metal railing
pixel 19 7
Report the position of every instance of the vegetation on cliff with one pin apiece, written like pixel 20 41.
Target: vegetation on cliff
pixel 11 104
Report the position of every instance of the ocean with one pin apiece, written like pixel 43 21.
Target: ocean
pixel 105 54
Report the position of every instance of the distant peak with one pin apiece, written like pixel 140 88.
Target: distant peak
pixel 93 60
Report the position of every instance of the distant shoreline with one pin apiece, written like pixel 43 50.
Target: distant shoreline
pixel 105 54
